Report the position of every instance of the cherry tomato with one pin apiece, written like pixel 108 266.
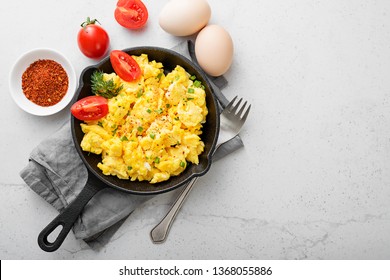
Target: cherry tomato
pixel 125 66
pixel 90 108
pixel 92 39
pixel 131 14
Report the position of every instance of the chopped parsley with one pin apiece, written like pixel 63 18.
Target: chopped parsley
pixel 124 138
pixel 197 83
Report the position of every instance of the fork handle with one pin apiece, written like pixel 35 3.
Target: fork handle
pixel 160 232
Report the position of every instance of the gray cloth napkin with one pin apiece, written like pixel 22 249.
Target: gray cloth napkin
pixel 57 174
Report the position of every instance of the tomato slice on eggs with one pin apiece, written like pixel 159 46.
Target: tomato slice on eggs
pixel 90 108
pixel 125 66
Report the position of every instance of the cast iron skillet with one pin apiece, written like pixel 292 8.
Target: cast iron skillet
pixel 97 181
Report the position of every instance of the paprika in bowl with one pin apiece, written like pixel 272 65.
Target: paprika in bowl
pixel 42 82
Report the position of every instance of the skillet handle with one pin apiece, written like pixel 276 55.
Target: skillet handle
pixel 67 218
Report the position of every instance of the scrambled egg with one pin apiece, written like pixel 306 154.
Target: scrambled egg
pixel 152 129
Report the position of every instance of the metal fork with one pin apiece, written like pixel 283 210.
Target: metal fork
pixel 232 119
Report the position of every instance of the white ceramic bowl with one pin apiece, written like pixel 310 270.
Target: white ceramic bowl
pixel 15 81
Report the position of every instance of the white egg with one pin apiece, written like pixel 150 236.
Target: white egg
pixel 214 50
pixel 184 17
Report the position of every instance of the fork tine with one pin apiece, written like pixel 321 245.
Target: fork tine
pixel 235 108
pixel 243 119
pixel 230 105
pixel 242 109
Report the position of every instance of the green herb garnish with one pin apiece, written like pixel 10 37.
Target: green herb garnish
pixel 99 86
pixel 197 83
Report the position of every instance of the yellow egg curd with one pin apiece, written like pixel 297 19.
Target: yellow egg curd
pixel 153 126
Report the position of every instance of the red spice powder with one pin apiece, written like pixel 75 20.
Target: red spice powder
pixel 45 82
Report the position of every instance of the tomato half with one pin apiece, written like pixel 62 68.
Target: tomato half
pixel 131 14
pixel 90 108
pixel 125 66
pixel 92 39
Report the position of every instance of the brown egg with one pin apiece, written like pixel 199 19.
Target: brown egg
pixel 184 17
pixel 214 50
